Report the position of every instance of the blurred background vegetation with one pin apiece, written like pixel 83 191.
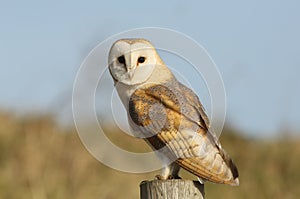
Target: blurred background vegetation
pixel 41 159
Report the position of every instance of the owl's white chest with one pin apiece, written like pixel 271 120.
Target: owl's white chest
pixel 160 75
pixel 125 92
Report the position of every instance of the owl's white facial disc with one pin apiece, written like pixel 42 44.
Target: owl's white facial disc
pixel 131 61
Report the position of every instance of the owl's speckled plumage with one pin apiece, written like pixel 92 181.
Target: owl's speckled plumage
pixel 167 114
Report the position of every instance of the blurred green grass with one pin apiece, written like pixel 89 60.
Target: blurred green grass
pixel 39 160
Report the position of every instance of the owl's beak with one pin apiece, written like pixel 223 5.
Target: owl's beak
pixel 131 73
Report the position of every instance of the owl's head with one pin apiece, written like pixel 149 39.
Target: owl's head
pixel 132 61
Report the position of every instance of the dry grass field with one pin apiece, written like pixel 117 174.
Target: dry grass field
pixel 41 160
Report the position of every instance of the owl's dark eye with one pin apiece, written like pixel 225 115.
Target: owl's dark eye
pixel 121 59
pixel 141 59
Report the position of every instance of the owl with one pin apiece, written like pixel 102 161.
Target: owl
pixel 167 114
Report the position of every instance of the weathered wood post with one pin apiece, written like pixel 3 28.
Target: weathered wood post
pixel 171 189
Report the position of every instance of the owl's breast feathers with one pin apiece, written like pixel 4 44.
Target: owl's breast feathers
pixel 171 115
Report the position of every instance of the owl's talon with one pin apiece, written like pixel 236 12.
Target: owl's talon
pixel 170 177
pixel 173 177
pixel 158 177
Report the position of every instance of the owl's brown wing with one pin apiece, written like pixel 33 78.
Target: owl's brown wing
pixel 179 98
pixel 194 101
pixel 172 116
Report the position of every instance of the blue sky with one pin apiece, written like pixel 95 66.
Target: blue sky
pixel 255 44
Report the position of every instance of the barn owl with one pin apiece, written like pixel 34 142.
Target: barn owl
pixel 167 114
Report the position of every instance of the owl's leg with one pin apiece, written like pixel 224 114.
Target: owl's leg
pixel 175 171
pixel 169 172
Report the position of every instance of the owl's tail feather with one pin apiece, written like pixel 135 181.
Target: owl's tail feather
pixel 231 166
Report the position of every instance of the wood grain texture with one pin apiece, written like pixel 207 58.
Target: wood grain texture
pixel 171 189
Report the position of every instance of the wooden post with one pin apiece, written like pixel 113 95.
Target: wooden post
pixel 171 189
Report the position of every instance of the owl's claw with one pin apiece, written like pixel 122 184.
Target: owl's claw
pixel 173 177
pixel 159 177
pixel 170 177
